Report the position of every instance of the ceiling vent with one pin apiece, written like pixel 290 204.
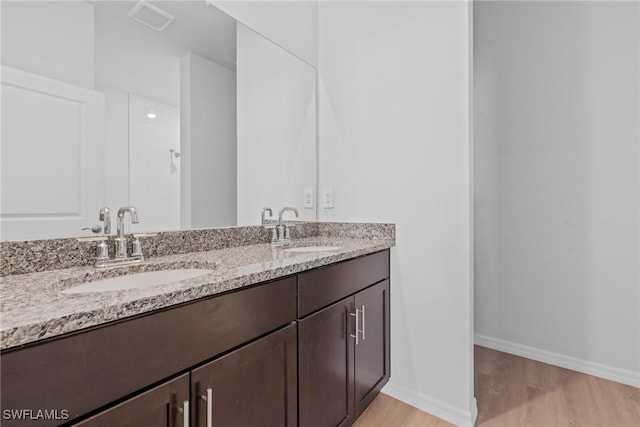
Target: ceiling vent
pixel 151 16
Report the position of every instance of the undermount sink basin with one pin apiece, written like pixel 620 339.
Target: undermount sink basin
pixel 313 249
pixel 147 279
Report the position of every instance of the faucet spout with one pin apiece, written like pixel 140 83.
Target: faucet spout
pixel 132 213
pixel 283 210
pixel 282 230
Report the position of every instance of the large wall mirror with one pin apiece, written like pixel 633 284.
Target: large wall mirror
pixel 173 107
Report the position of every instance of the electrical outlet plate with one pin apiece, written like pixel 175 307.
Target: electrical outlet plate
pixel 327 198
pixel 309 199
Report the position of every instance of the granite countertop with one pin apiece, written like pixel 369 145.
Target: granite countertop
pixel 33 308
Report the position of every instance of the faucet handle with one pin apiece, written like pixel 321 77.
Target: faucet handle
pixel 136 249
pixel 136 245
pixel 102 250
pixel 274 233
pixel 95 229
pixel 287 231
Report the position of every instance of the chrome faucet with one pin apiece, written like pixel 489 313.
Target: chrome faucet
pixel 282 233
pixel 121 241
pixel 120 257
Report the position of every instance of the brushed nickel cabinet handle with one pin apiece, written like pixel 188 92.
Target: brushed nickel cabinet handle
pixel 209 399
pixel 364 323
pixel 356 315
pixel 185 413
pixel 209 407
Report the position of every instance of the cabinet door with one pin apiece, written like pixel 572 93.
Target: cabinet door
pixel 372 350
pixel 252 386
pixel 325 348
pixel 164 405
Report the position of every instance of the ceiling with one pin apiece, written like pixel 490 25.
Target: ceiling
pixel 198 28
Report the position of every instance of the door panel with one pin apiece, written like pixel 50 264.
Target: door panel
pixel 252 386
pixel 372 350
pixel 325 285
pixel 160 406
pixel 326 360
pixel 56 130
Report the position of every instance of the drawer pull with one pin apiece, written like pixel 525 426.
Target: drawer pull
pixel 185 413
pixel 364 323
pixel 357 330
pixel 209 399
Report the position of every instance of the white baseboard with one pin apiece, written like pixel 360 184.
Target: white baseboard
pixel 591 368
pixel 436 407
pixel 474 411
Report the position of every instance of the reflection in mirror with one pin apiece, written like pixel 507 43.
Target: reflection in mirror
pixel 169 106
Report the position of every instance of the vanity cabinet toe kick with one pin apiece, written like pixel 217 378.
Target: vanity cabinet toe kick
pixel 250 357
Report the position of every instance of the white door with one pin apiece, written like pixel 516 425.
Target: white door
pixel 52 157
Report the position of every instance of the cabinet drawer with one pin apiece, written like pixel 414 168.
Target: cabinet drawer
pixel 326 285
pixel 88 370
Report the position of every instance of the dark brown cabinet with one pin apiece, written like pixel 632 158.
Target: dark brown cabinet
pixel 343 349
pixel 326 367
pixel 90 369
pixel 371 354
pixel 253 386
pixel 282 353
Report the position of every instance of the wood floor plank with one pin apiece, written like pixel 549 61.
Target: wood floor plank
pixel 513 391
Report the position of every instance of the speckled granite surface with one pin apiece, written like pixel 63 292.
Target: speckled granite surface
pixel 42 255
pixel 33 308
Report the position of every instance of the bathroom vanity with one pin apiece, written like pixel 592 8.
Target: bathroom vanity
pixel 276 339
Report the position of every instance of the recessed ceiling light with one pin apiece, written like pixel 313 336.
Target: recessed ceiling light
pixel 152 115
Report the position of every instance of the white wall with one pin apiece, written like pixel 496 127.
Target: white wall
pixel 208 143
pixel 394 145
pixel 557 183
pixel 154 174
pixel 291 24
pixel 116 150
pixel 132 58
pixel 276 128
pixel 51 39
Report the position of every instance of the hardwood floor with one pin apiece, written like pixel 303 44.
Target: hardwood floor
pixel 513 391
pixel 385 411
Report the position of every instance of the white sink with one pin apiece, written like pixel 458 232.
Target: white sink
pixel 138 280
pixel 313 249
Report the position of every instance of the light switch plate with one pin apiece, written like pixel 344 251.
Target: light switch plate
pixel 327 198
pixel 309 199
